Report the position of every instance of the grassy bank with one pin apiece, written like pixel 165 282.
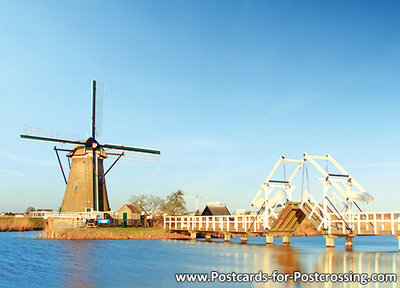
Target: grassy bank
pixel 11 223
pixel 112 233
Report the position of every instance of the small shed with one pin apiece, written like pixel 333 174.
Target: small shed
pixel 129 211
pixel 215 211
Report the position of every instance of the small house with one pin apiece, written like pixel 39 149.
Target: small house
pixel 215 211
pixel 129 211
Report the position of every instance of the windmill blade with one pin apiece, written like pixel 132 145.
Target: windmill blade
pixel 133 155
pixel 32 133
pixel 132 149
pixel 100 91
pixel 46 139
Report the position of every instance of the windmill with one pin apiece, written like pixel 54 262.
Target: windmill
pixel 86 186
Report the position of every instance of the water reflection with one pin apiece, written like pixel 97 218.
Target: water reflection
pixel 31 262
pixel 288 259
pixel 291 259
pixel 81 269
pixel 77 264
pixel 359 262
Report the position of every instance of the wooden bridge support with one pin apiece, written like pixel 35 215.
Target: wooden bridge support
pixel 243 239
pixel 286 240
pixel 330 241
pixel 208 237
pixel 193 235
pixel 269 239
pixel 348 242
pixel 227 237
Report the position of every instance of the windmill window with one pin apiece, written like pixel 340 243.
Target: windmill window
pixel 76 187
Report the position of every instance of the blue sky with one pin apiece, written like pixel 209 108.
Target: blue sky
pixel 223 88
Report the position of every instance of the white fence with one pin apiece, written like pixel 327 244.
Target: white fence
pixel 75 215
pixel 367 223
pixel 229 223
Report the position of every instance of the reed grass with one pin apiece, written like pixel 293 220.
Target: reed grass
pixel 11 223
pixel 112 233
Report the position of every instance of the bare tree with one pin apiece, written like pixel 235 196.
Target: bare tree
pixel 175 203
pixel 147 203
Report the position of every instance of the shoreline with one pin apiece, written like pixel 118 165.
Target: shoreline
pixel 51 230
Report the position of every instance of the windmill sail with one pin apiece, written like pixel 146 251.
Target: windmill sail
pixel 133 149
pixel 133 156
pixel 136 154
pixel 100 91
pixel 32 133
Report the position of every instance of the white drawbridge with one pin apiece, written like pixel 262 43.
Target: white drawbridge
pixel 279 215
pixel 338 213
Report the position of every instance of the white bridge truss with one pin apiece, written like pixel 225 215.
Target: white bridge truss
pixel 339 190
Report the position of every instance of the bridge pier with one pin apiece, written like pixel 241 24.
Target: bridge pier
pixel 348 242
pixel 208 237
pixel 193 235
pixel 269 239
pixel 227 237
pixel 243 239
pixel 286 240
pixel 330 241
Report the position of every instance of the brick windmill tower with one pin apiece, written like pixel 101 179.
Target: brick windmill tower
pixel 86 186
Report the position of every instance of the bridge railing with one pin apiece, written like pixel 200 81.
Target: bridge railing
pixel 368 223
pixel 228 223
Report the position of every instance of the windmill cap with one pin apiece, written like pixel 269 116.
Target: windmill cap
pixel 90 142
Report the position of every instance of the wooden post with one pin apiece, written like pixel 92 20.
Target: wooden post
pixel 269 239
pixel 243 239
pixel 208 237
pixel 348 242
pixel 286 240
pixel 227 237
pixel 330 241
pixel 193 235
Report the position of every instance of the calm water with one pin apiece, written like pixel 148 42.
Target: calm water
pixel 26 261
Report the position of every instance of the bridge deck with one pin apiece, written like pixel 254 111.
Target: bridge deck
pixel 289 219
